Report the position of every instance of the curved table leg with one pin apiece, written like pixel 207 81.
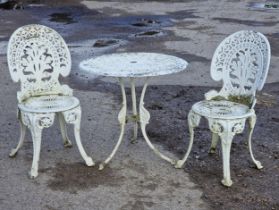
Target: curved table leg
pixel 122 120
pixel 144 120
pixel 193 121
pixel 135 113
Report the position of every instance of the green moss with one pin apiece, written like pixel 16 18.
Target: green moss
pixel 241 99
pixel 218 98
pixel 246 100
pixel 271 5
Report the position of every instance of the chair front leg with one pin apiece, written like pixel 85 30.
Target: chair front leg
pixel 252 122
pixel 226 142
pixel 226 129
pixel 63 128
pixel 21 138
pixel 193 121
pixel 36 122
pixel 36 133
pixel 73 116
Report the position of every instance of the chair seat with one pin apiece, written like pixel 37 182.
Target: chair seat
pixel 47 104
pixel 221 109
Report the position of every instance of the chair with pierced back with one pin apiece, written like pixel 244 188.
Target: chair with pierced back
pixel 241 61
pixel 37 55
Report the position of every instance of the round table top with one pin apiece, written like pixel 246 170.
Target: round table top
pixel 134 64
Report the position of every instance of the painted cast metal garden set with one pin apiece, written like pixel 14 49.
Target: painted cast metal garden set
pixel 37 55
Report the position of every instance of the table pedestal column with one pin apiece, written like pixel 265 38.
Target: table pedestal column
pixel 135 112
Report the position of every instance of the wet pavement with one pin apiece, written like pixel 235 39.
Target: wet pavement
pixel 136 179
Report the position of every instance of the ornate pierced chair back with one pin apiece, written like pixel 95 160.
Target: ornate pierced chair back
pixel 37 55
pixel 241 61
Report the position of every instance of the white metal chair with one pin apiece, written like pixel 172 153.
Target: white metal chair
pixel 241 61
pixel 37 55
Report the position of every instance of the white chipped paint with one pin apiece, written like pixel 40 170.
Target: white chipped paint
pixel 134 65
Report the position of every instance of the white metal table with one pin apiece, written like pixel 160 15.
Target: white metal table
pixel 133 66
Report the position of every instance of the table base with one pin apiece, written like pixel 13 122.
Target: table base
pixel 142 118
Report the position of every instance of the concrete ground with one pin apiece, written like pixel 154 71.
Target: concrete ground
pixel 136 178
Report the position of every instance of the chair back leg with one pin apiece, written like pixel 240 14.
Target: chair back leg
pixel 21 138
pixel 214 142
pixel 63 128
pixel 252 122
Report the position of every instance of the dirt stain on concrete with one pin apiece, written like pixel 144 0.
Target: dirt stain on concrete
pixel 183 14
pixel 152 33
pixel 246 22
pixel 105 43
pixel 196 58
pixel 137 205
pixel 141 169
pixel 75 177
pixel 48 207
pixel 65 18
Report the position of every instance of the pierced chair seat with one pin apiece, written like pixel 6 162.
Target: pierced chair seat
pixel 48 104
pixel 221 109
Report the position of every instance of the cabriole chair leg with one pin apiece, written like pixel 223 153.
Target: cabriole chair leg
pixel 36 133
pixel 74 117
pixel 226 142
pixel 252 122
pixel 63 128
pixel 21 139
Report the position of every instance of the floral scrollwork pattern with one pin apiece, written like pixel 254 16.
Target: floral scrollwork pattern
pixel 216 127
pixel 37 55
pixel 222 127
pixel 37 120
pixel 242 62
pixel 72 116
pixel 193 119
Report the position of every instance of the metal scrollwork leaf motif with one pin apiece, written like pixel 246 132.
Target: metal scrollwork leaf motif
pixel 71 117
pixel 46 121
pixel 243 69
pixel 242 62
pixel 216 127
pixel 37 55
pixel 37 62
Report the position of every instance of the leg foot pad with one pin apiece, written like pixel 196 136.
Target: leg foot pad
pixel 227 183
pixel 89 162
pixel 259 165
pixel 179 164
pixel 13 153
